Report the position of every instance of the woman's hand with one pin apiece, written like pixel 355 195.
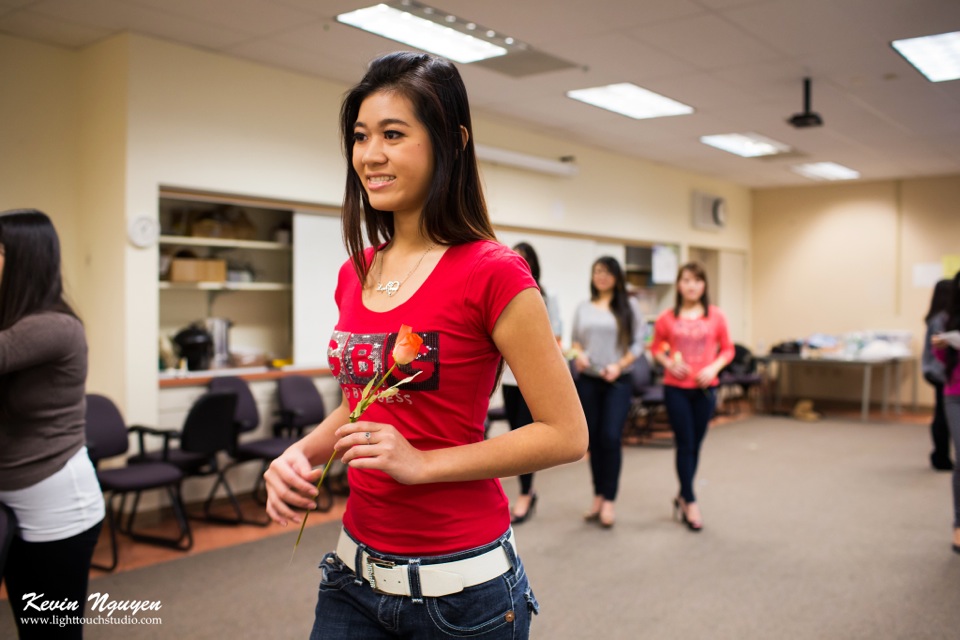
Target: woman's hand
pixel 374 445
pixel 706 375
pixel 581 362
pixel 291 484
pixel 937 342
pixel 678 368
pixel 611 372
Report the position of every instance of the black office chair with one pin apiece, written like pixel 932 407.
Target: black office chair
pixel 108 436
pixel 208 430
pixel 8 529
pixel 740 376
pixel 300 408
pixel 646 403
pixel 246 420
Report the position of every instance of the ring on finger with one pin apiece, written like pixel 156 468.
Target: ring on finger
pixel 367 436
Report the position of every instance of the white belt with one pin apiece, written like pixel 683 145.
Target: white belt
pixel 440 579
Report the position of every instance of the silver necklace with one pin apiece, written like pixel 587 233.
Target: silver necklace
pixel 393 286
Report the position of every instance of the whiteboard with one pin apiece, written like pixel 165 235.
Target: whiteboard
pixel 318 252
pixel 565 267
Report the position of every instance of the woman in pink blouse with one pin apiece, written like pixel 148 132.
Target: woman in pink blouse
pixel 692 343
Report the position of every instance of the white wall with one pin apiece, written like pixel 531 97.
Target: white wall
pixel 182 117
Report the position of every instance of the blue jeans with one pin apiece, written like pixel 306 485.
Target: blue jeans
pixel 605 406
pixel 689 411
pixel 501 608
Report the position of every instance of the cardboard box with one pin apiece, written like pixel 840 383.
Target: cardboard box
pixel 198 270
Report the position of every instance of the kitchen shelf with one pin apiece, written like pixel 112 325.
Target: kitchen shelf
pixel 189 241
pixel 225 286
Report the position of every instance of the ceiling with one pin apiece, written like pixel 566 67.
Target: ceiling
pixel 739 63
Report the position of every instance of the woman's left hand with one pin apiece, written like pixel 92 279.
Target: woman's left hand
pixel 706 375
pixel 611 372
pixel 375 445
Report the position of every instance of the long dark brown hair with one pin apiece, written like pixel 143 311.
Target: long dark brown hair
pixel 698 271
pixel 31 280
pixel 953 322
pixel 620 303
pixel 940 299
pixel 455 211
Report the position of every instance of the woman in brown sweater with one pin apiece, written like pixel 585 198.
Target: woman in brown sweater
pixel 46 477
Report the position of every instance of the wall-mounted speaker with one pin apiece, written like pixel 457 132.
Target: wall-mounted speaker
pixel 709 212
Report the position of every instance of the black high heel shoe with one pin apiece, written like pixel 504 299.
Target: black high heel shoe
pixel 681 515
pixel 515 519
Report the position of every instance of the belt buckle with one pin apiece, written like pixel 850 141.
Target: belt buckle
pixel 371 577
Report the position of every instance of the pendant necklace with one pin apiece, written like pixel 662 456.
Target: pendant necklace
pixel 392 286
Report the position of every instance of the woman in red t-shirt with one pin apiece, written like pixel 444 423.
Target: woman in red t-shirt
pixel 692 343
pixel 426 532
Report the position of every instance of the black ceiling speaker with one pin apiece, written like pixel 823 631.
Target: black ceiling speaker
pixel 807 118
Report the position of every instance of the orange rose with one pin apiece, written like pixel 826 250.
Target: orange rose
pixel 407 346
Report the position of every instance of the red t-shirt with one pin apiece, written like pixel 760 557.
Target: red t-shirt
pixel 454 311
pixel 698 340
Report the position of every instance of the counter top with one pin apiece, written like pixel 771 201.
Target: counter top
pixel 174 378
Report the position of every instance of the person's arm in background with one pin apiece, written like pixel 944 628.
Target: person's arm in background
pixel 634 351
pixel 725 350
pixel 581 360
pixel 662 350
pixel 36 339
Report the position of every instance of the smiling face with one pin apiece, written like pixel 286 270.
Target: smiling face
pixel 392 154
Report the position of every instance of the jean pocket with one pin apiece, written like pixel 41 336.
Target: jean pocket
pixel 335 574
pixel 475 610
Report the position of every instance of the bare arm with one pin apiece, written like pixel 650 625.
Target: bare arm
pixel 558 434
pixel 292 477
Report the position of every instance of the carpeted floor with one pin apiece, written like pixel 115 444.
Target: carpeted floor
pixel 830 530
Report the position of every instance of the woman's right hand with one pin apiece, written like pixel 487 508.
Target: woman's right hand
pixel 937 342
pixel 678 368
pixel 291 484
pixel 581 362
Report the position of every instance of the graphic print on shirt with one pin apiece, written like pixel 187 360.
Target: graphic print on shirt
pixel 355 358
pixel 690 339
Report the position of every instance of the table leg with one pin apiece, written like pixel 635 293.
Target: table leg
pixel 896 381
pixel 915 374
pixel 865 402
pixel 886 388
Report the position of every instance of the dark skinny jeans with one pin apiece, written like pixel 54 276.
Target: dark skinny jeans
pixel 605 405
pixel 518 415
pixel 939 432
pixel 690 411
pixel 59 570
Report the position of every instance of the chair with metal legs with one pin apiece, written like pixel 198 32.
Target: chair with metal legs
pixel 108 436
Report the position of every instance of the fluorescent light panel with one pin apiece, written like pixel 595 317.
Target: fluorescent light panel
pixel 937 57
pixel 519 160
pixel 428 29
pixel 746 145
pixel 630 100
pixel 826 171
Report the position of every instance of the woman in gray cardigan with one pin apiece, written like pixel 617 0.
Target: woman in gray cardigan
pixel 607 339
pixel 46 477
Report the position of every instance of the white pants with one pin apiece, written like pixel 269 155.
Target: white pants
pixel 61 506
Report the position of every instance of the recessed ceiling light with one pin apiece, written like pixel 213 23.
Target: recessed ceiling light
pixel 746 145
pixel 826 171
pixel 630 100
pixel 937 57
pixel 417 25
